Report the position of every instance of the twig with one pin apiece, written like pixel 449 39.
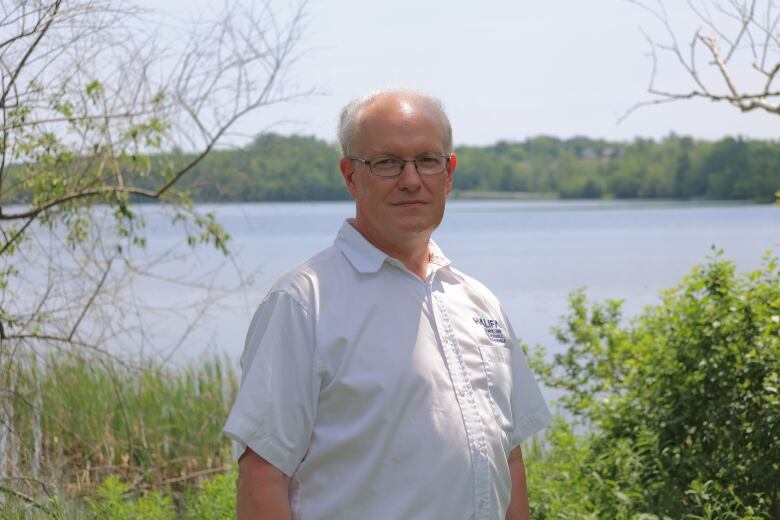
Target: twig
pixel 18 494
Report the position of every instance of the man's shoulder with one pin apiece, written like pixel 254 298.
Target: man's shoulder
pixel 304 279
pixel 312 271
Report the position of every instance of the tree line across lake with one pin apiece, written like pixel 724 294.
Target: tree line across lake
pixel 275 167
pixel 300 168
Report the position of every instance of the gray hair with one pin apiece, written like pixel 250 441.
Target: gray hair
pixel 350 116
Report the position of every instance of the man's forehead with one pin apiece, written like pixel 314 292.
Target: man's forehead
pixel 415 117
pixel 392 106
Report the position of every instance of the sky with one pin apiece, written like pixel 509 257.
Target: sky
pixel 505 70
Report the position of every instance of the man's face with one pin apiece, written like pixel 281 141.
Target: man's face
pixel 392 210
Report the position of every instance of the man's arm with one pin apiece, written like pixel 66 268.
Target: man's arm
pixel 518 502
pixel 262 490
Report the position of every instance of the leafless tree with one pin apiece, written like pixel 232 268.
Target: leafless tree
pixel 733 56
pixel 102 105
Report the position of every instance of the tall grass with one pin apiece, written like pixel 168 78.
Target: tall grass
pixel 78 419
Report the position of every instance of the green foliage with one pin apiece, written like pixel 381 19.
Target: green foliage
pixel 63 156
pixel 681 404
pixel 711 501
pixel 270 168
pixel 559 483
pixel 114 499
pixel 111 502
pixel 215 499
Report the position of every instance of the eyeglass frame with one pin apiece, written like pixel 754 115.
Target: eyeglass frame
pixel 367 162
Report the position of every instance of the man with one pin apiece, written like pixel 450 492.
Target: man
pixel 379 382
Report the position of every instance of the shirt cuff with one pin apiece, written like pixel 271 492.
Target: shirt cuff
pixel 263 445
pixel 530 424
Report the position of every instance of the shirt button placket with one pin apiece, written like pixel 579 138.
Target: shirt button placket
pixel 475 432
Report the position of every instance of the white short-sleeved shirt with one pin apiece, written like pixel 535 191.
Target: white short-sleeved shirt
pixel 381 395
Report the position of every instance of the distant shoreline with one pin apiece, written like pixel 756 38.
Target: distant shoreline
pixel 470 196
pixel 502 195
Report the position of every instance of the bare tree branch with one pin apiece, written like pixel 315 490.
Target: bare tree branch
pixel 745 29
pixel 47 19
pixel 91 299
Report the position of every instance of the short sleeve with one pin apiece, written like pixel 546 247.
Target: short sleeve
pixel 529 410
pixel 276 404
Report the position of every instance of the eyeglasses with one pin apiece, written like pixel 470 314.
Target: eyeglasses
pixel 386 166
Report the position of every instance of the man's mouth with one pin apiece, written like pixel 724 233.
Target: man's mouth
pixel 409 203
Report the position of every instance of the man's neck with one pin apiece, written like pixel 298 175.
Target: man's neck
pixel 413 251
pixel 416 261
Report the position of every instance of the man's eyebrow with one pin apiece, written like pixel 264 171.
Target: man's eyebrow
pixel 393 156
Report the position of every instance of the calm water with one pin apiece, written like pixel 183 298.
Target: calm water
pixel 531 254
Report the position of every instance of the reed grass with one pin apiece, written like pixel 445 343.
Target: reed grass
pixel 78 419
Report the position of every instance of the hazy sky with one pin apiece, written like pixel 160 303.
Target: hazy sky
pixel 504 69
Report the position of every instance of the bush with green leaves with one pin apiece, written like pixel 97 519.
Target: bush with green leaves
pixel 557 474
pixel 116 499
pixel 215 499
pixel 111 502
pixel 681 404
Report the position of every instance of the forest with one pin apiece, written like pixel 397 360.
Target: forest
pixel 299 168
pixel 275 167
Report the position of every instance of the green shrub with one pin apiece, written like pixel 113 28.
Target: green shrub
pixel 114 499
pixel 557 475
pixel 111 501
pixel 682 402
pixel 214 500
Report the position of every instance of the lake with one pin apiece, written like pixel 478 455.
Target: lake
pixel 532 254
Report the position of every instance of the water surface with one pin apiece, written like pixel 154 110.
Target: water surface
pixel 531 254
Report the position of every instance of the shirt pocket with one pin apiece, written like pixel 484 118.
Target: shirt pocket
pixel 497 363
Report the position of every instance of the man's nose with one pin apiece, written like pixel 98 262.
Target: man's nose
pixel 409 178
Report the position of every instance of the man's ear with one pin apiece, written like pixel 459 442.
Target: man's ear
pixel 451 170
pixel 347 167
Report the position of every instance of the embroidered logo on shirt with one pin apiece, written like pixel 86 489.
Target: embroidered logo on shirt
pixel 492 329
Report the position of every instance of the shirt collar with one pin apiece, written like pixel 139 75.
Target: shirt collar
pixel 366 258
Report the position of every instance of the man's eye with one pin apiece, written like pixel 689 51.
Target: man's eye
pixel 385 162
pixel 429 160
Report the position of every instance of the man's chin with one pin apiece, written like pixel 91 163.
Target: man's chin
pixel 415 226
